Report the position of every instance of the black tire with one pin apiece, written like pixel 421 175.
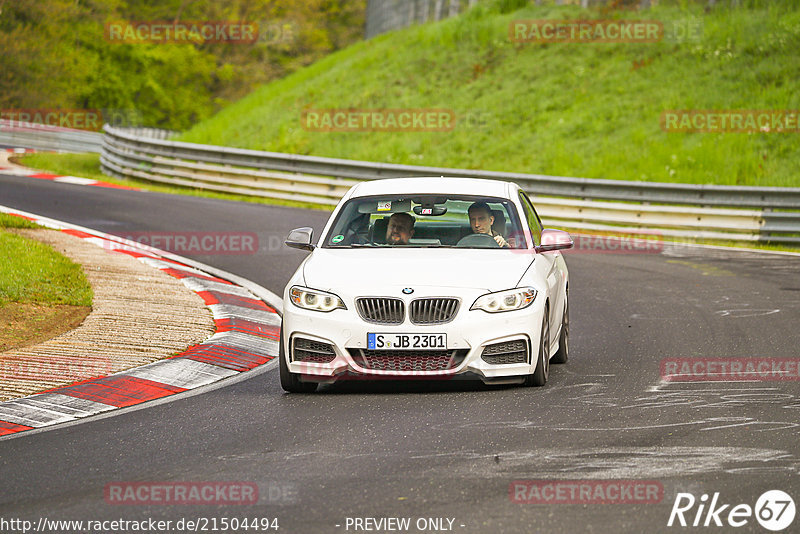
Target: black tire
pixel 291 381
pixel 540 374
pixel 562 354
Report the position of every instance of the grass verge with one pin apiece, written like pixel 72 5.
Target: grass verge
pixel 42 293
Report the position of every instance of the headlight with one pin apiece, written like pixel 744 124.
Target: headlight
pixel 314 299
pixel 510 299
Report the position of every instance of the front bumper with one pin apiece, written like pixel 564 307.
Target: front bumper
pixel 468 333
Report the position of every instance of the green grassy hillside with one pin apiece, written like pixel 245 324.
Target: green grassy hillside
pixel 573 109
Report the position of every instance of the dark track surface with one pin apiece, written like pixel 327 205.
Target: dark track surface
pixel 448 449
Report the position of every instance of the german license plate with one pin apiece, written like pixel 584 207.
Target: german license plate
pixel 406 341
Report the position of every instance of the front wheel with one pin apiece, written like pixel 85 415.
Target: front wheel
pixel 291 381
pixel 562 354
pixel 539 375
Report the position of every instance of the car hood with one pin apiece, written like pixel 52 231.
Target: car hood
pixel 385 268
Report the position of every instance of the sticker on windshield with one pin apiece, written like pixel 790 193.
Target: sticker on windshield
pixel 337 238
pixel 385 206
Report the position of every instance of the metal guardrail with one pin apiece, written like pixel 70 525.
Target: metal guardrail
pixel 674 210
pixel 41 137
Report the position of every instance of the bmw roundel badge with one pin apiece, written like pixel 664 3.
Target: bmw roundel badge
pixel 407 291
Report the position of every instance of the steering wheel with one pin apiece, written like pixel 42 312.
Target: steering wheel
pixel 477 241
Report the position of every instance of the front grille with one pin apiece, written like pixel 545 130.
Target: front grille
pixel 506 352
pixel 435 310
pixel 408 360
pixel 306 350
pixel 381 310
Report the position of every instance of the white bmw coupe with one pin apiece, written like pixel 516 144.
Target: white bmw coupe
pixel 427 278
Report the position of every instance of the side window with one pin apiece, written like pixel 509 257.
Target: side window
pixel 534 223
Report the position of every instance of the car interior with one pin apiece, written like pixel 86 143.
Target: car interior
pixel 434 232
pixel 367 224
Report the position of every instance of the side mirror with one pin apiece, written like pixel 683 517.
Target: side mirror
pixel 300 238
pixel 554 240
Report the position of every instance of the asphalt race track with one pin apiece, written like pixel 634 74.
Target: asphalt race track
pixel 448 449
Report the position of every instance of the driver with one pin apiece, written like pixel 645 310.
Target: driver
pixel 481 220
pixel 400 228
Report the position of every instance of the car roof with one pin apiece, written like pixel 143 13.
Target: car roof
pixel 432 185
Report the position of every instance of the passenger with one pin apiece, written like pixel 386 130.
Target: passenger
pixel 481 220
pixel 400 229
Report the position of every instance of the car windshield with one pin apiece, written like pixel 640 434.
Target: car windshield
pixel 419 221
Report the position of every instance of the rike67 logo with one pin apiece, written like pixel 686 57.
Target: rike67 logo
pixel 774 510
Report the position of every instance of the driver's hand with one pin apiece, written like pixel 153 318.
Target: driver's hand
pixel 500 241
